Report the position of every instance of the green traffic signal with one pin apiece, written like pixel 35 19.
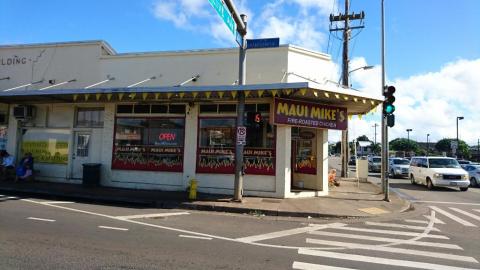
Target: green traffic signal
pixel 389 108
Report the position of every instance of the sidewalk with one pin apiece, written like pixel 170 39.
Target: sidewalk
pixel 347 200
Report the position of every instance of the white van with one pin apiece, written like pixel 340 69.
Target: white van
pixel 438 171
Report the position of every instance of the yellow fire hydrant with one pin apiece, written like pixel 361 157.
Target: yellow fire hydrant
pixel 192 195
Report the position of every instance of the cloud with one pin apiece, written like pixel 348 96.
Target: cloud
pixel 180 12
pixel 429 103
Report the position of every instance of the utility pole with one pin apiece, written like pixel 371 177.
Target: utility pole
pixel 384 173
pixel 346 37
pixel 375 135
pixel 241 21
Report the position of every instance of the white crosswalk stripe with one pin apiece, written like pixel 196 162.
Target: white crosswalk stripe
pixel 453 217
pixel 416 221
pixel 312 266
pixel 391 232
pixel 465 213
pixel 392 225
pixel 436 220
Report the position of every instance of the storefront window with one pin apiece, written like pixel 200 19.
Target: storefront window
pixel 259 153
pixel 154 144
pixel 216 151
pixel 89 117
pixel 303 143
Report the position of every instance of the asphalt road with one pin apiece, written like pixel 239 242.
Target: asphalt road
pixel 441 233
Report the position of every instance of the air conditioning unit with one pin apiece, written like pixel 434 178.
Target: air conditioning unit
pixel 24 112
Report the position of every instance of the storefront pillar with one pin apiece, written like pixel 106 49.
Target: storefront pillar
pixel 190 149
pixel 283 166
pixel 322 161
pixel 13 135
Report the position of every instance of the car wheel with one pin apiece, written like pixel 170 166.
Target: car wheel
pixel 412 180
pixel 429 184
pixel 463 188
pixel 392 173
pixel 473 182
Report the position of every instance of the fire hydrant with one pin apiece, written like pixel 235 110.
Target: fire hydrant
pixel 192 195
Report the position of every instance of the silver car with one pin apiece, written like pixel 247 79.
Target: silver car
pixel 474 174
pixel 374 164
pixel 398 167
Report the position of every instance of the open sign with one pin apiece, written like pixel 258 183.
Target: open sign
pixel 167 136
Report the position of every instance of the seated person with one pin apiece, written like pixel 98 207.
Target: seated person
pixel 8 164
pixel 25 167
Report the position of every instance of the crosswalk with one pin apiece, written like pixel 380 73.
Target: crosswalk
pixel 410 243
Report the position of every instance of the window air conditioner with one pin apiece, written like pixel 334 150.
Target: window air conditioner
pixel 24 112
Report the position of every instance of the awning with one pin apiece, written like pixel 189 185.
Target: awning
pixel 357 102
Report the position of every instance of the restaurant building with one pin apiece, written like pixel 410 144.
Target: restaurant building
pixel 156 120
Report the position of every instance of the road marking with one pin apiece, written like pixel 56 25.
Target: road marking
pixel 394 250
pixel 260 237
pixel 436 220
pixel 41 219
pixel 312 266
pixel 390 232
pixel 465 213
pixel 460 203
pixel 378 260
pixel 153 215
pixel 384 239
pixel 113 228
pixel 393 225
pixel 478 210
pixel 195 237
pixel 60 202
pixel 451 216
pixel 416 221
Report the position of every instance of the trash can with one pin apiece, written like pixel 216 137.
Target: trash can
pixel 91 174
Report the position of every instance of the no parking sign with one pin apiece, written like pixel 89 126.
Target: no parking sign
pixel 241 135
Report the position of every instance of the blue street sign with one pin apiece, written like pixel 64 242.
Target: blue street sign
pixel 263 43
pixel 224 13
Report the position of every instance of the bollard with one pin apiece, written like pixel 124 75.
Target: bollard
pixel 192 195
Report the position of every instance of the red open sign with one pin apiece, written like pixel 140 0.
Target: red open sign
pixel 167 136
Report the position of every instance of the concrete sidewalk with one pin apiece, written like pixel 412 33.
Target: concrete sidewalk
pixel 347 200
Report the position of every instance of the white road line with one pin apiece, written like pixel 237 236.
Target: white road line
pixel 436 219
pixel 416 221
pixel 389 240
pixel 394 250
pixel 451 216
pixel 153 215
pixel 393 225
pixel 390 232
pixel 195 237
pixel 312 266
pixel 113 228
pixel 41 219
pixel 459 203
pixel 478 210
pixel 260 237
pixel 59 202
pixel 378 260
pixel 465 213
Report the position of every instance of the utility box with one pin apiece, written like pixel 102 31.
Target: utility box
pixel 91 174
pixel 362 169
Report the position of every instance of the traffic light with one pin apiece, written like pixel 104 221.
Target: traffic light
pixel 254 119
pixel 388 107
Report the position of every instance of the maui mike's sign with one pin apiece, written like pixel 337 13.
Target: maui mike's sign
pixel 306 114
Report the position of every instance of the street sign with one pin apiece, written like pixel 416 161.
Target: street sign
pixel 241 135
pixel 263 43
pixel 223 12
pixel 454 145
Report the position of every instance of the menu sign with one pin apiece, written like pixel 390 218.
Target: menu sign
pixel 306 114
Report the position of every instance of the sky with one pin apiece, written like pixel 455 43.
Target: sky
pixel 432 46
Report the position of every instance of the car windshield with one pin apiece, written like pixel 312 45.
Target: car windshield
pixel 376 159
pixel 401 161
pixel 443 163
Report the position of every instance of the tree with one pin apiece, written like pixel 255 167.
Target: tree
pixel 444 145
pixel 403 144
pixel 363 138
pixel 376 148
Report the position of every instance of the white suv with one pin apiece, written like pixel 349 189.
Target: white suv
pixel 438 171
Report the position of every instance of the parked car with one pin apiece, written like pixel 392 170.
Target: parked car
pixel 438 171
pixel 374 164
pixel 474 174
pixel 353 160
pixel 398 167
pixel 463 162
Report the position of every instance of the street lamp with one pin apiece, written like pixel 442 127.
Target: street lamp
pixel 353 70
pixel 408 137
pixel 428 146
pixel 458 118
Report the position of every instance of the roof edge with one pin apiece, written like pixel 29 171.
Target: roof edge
pixel 102 43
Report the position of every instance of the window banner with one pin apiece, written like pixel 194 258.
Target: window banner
pixel 307 114
pixel 259 161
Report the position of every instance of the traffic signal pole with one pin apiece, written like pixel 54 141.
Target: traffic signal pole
pixel 384 174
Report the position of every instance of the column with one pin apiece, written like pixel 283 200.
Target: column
pixel 190 147
pixel 322 160
pixel 283 161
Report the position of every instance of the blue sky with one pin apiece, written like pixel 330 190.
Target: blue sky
pixel 432 45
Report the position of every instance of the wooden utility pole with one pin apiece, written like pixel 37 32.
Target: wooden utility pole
pixel 346 18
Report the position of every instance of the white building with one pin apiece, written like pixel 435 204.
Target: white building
pixel 157 120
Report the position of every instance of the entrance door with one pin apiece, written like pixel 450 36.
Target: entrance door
pixel 81 153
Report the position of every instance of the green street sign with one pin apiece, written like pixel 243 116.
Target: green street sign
pixel 223 12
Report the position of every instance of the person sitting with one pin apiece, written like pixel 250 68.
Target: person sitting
pixel 8 165
pixel 25 167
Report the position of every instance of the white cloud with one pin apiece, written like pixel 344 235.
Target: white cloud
pixel 429 103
